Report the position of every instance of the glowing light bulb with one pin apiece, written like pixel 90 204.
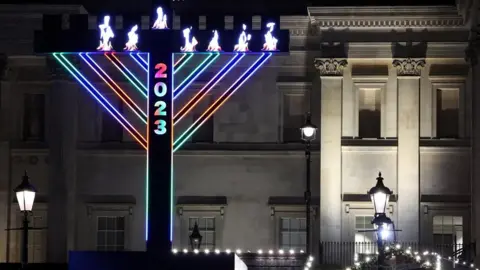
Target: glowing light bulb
pixel 174 251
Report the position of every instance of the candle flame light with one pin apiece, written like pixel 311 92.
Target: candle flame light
pixel 243 39
pixel 131 44
pixel 161 21
pixel 189 45
pixel 214 45
pixel 106 34
pixel 270 41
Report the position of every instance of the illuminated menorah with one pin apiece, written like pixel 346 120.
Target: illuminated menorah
pixel 158 77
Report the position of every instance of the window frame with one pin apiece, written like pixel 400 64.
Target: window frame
pixel 360 83
pixel 183 215
pixel 430 210
pixel 277 212
pixel 109 210
pixel 439 83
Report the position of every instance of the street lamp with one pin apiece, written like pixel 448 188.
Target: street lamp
pixel 196 237
pixel 308 134
pixel 380 194
pixel 25 196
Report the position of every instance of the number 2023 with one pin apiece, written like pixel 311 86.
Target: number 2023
pixel 160 90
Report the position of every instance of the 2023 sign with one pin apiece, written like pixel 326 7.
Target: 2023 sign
pixel 160 90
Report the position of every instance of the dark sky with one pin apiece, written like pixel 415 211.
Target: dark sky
pixel 287 6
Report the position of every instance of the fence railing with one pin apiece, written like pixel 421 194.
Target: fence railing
pixel 342 253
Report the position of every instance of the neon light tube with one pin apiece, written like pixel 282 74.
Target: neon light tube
pixel 181 63
pixel 102 100
pixel 220 101
pixel 207 88
pixel 194 74
pixel 117 89
pixel 138 62
pixel 141 59
pixel 147 178
pixel 131 78
pixel 172 134
pixel 179 60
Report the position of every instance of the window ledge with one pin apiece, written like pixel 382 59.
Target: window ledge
pixel 443 142
pixel 357 141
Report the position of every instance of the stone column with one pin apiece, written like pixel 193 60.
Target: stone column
pixel 473 57
pixel 331 76
pixel 408 154
pixel 62 140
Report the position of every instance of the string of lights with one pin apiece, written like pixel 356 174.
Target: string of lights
pixel 426 259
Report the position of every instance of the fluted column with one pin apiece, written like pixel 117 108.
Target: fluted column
pixel 62 139
pixel 408 154
pixel 331 76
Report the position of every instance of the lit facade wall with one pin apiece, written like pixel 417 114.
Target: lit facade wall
pixel 251 179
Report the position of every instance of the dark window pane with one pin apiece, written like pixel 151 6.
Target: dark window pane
pixel 120 223
pixel 102 223
pixel 34 117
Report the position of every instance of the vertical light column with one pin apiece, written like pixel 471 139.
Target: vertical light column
pixel 62 140
pixel 408 155
pixel 331 76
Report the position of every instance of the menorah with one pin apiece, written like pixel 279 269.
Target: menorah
pixel 152 74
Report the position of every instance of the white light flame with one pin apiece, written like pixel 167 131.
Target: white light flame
pixel 106 34
pixel 131 44
pixel 214 45
pixel 270 41
pixel 161 21
pixel 243 39
pixel 189 45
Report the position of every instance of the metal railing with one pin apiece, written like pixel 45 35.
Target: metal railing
pixel 342 253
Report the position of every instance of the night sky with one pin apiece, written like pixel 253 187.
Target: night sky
pixel 293 7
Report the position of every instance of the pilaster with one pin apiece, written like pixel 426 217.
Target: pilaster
pixel 62 139
pixel 408 154
pixel 473 58
pixel 331 76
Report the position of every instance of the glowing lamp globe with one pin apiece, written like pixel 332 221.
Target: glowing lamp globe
pixel 195 237
pixel 308 130
pixel 25 194
pixel 380 195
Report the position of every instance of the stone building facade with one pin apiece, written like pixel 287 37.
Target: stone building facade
pixel 390 89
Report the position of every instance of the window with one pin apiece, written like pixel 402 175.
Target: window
pixel 110 233
pixel 369 114
pixel 448 113
pixel 206 226
pixel 34 117
pixel 293 117
pixel 112 131
pixel 448 233
pixel 364 241
pixel 293 233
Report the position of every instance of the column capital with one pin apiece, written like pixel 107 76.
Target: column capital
pixel 409 66
pixel 330 66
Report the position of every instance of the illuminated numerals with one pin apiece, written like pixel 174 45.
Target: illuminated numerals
pixel 160 90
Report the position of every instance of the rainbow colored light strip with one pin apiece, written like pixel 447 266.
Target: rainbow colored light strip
pixel 179 63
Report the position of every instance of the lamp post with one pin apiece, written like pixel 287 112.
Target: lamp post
pixel 308 134
pixel 25 196
pixel 380 194
pixel 195 237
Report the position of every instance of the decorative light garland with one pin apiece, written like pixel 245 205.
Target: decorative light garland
pixel 270 252
pixel 239 251
pixel 424 259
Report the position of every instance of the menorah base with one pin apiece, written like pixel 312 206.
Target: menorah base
pixel 91 260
